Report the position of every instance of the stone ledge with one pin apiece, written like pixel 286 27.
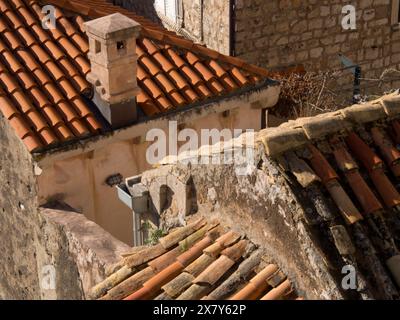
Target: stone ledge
pixel 86 247
pixel 294 134
pixel 90 235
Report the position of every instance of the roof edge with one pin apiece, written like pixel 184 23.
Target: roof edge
pixel 169 37
pixel 267 84
pixel 296 133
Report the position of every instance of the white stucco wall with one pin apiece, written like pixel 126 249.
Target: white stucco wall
pixel 78 176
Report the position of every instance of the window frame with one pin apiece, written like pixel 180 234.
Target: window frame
pixel 177 19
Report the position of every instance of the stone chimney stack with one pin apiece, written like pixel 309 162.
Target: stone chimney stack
pixel 112 54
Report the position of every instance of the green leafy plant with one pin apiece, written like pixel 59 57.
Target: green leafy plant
pixel 154 234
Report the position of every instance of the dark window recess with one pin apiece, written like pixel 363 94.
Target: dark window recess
pixel 264 118
pixel 121 45
pixel 114 180
pixel 226 113
pixel 98 46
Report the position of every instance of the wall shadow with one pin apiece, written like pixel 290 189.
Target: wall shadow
pixel 145 8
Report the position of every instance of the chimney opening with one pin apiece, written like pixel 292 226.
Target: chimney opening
pixel 98 47
pixel 121 46
pixel 226 113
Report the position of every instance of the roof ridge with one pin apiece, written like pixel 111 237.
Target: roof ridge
pixel 296 133
pixel 158 33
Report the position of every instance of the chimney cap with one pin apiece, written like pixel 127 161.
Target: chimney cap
pixel 114 26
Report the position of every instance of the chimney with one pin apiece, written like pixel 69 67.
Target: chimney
pixel 113 59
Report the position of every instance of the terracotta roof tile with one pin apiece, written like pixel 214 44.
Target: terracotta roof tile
pixel 51 66
pixel 387 191
pixel 321 166
pixel 395 126
pixel 257 285
pixel 357 140
pixel 214 271
pixel 187 257
pixel 186 270
pixel 278 292
pixel 382 141
pixel 364 194
pixel 344 160
pixel 361 150
pixel 331 180
pixel 38 84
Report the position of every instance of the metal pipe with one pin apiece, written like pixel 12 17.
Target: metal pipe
pixel 129 201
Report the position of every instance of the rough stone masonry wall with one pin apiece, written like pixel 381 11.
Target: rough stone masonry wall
pixel 143 7
pixel 23 247
pixel 31 239
pixel 18 269
pixel 80 251
pixel 207 22
pixel 192 20
pixel 215 22
pixel 277 33
pixel 262 206
pixel 204 21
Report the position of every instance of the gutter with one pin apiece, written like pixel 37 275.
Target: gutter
pixel 136 197
pixel 80 143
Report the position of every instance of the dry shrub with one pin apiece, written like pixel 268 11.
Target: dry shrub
pixel 307 94
pixel 310 93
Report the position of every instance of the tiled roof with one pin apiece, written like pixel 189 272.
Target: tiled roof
pixel 43 72
pixel 199 261
pixel 354 153
pixel 42 77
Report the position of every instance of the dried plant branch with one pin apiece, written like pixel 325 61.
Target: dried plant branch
pixel 305 95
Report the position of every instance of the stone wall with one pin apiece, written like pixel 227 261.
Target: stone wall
pixel 143 7
pixel 79 250
pixel 278 33
pixel 216 21
pixel 18 218
pixel 192 20
pixel 204 21
pixel 31 239
pixel 261 205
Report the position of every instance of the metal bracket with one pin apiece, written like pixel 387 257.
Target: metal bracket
pixel 356 70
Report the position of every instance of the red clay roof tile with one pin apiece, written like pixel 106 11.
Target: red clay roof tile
pixel 364 194
pixel 331 180
pixel 389 152
pixel 367 179
pixel 362 152
pixel 214 271
pixel 257 285
pixel 387 191
pixel 321 166
pixel 278 292
pixel 58 63
pixel 396 130
pixel 175 281
pixel 344 160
